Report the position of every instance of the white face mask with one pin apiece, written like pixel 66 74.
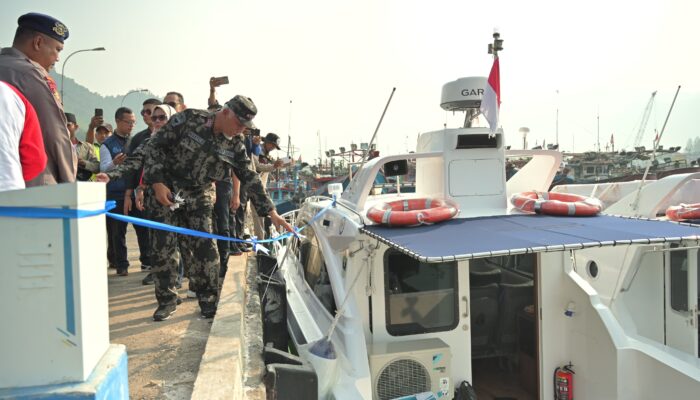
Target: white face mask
pixel 228 137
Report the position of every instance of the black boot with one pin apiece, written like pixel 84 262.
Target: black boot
pixel 164 312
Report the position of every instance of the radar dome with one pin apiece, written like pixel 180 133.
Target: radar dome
pixel 463 94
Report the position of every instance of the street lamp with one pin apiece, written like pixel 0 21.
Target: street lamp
pixel 132 91
pixel 63 67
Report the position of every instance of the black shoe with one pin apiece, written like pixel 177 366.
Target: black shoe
pixel 123 272
pixel 148 280
pixel 164 312
pixel 145 267
pixel 178 301
pixel 208 310
pixel 235 249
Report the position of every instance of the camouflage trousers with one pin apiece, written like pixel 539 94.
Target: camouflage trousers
pixel 195 214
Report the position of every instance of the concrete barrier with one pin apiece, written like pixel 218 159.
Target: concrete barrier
pixel 232 366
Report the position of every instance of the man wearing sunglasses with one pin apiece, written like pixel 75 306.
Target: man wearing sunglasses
pixel 175 100
pixel 194 149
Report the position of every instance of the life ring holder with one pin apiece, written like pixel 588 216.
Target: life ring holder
pixel 552 203
pixel 412 212
pixel 683 211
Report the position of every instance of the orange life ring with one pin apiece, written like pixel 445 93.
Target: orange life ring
pixel 683 211
pixel 556 203
pixel 412 212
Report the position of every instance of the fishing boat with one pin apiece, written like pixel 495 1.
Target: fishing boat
pixel 494 300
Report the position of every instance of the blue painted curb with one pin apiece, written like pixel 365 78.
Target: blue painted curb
pixel 108 381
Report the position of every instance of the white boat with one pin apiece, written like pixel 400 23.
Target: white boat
pixel 648 199
pixel 492 297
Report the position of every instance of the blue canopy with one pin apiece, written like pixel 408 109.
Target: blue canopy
pixel 460 239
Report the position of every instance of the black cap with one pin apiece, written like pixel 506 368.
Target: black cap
pixel 106 127
pixel 244 108
pixel 45 24
pixel 272 138
pixel 71 118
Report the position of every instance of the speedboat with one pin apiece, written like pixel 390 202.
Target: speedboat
pixel 509 304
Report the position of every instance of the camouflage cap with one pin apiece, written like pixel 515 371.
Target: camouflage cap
pixel 244 108
pixel 45 24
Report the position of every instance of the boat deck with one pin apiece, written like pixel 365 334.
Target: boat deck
pixel 492 382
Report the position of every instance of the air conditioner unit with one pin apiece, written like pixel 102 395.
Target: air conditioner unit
pixel 410 367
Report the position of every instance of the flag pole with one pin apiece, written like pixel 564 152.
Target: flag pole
pixel 491 99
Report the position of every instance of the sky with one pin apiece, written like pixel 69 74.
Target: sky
pixel 321 71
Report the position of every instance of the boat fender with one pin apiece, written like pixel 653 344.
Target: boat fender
pixel 412 212
pixel 552 203
pixel 465 392
pixel 683 212
pixel 288 376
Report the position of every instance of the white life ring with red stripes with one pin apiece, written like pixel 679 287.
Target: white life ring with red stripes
pixel 683 211
pixel 412 212
pixel 550 203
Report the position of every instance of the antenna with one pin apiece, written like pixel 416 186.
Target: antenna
pixel 497 44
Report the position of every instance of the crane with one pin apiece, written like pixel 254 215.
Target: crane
pixel 645 119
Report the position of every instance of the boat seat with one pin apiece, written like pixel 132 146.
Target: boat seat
pixel 483 309
pixel 514 297
pixel 511 277
pixel 482 274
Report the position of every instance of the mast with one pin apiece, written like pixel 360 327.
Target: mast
pixel 598 121
pixel 556 141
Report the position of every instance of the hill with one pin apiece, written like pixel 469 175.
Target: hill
pixel 82 102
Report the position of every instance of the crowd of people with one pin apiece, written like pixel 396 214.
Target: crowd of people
pixel 195 169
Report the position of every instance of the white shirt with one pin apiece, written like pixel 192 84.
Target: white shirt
pixel 12 114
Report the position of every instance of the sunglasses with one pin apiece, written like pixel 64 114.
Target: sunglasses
pixel 146 112
pixel 159 118
pixel 172 104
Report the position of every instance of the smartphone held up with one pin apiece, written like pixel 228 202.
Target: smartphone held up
pixel 218 81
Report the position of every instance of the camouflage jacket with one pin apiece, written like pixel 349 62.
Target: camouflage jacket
pixel 131 165
pixel 186 154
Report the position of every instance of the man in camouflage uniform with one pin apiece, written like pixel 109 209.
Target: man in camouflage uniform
pixel 187 155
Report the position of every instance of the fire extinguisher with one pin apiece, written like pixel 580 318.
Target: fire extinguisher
pixel 564 382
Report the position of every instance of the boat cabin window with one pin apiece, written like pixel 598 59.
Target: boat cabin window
pixel 679 279
pixel 315 273
pixel 420 297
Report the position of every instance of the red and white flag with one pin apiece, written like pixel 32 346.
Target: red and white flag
pixel 491 102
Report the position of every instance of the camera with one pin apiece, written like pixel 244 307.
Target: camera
pixel 255 132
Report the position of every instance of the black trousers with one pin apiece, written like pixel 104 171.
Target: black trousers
pixel 240 216
pixel 116 238
pixel 223 222
pixel 141 235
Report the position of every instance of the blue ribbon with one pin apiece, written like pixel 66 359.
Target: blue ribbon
pixel 61 213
